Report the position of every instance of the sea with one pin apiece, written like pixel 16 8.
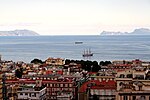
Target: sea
pixel 104 48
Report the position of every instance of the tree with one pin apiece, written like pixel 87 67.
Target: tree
pixel 18 73
pixel 37 61
pixel 88 65
pixel 67 61
pixel 105 63
pixel 95 66
pixel 102 63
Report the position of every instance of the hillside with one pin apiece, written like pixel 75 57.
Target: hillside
pixel 140 31
pixel 18 33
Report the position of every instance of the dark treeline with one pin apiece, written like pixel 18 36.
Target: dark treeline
pixel 104 63
pixel 90 66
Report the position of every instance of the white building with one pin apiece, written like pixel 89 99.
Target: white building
pixel 31 92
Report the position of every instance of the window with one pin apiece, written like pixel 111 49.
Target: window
pixel 125 98
pixel 134 98
pixel 108 92
pixel 129 76
pixel 26 93
pixel 70 85
pixel 29 94
pixel 66 85
pixel 139 77
pixel 21 93
pixel 142 98
pixel 52 85
pixel 120 83
pixel 57 85
pixel 34 95
pixel 102 92
pixel 92 92
pixel 121 76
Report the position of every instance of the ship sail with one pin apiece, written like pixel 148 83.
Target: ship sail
pixel 87 53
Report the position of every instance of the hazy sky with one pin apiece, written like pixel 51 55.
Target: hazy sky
pixel 74 17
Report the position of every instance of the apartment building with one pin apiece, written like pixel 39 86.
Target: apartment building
pixel 54 61
pixel 101 87
pixel 31 92
pixel 1 88
pixel 133 84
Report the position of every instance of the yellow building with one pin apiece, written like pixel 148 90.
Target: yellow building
pixel 55 61
pixel 133 85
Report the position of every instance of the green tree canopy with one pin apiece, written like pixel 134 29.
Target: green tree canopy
pixel 37 61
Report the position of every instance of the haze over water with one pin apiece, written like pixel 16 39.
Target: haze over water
pixel 103 47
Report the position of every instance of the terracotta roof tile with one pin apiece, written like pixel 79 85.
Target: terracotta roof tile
pixel 110 84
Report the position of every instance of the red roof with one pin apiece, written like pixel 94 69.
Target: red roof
pixel 110 84
pixel 49 72
pixel 29 81
pixel 60 72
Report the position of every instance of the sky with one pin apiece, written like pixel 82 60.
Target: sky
pixel 74 17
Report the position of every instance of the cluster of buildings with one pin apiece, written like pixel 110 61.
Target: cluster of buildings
pixel 54 80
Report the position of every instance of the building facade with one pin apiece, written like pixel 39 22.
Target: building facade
pixel 1 88
pixel 54 61
pixel 31 92
pixel 133 84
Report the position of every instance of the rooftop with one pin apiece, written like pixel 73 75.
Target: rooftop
pixel 96 84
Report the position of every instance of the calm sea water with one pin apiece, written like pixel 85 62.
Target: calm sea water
pixel 104 47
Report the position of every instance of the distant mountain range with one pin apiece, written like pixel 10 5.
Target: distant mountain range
pixel 18 33
pixel 140 31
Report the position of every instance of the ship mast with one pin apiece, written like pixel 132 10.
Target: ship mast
pixel 89 51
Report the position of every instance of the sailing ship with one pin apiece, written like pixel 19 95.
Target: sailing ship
pixel 87 53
